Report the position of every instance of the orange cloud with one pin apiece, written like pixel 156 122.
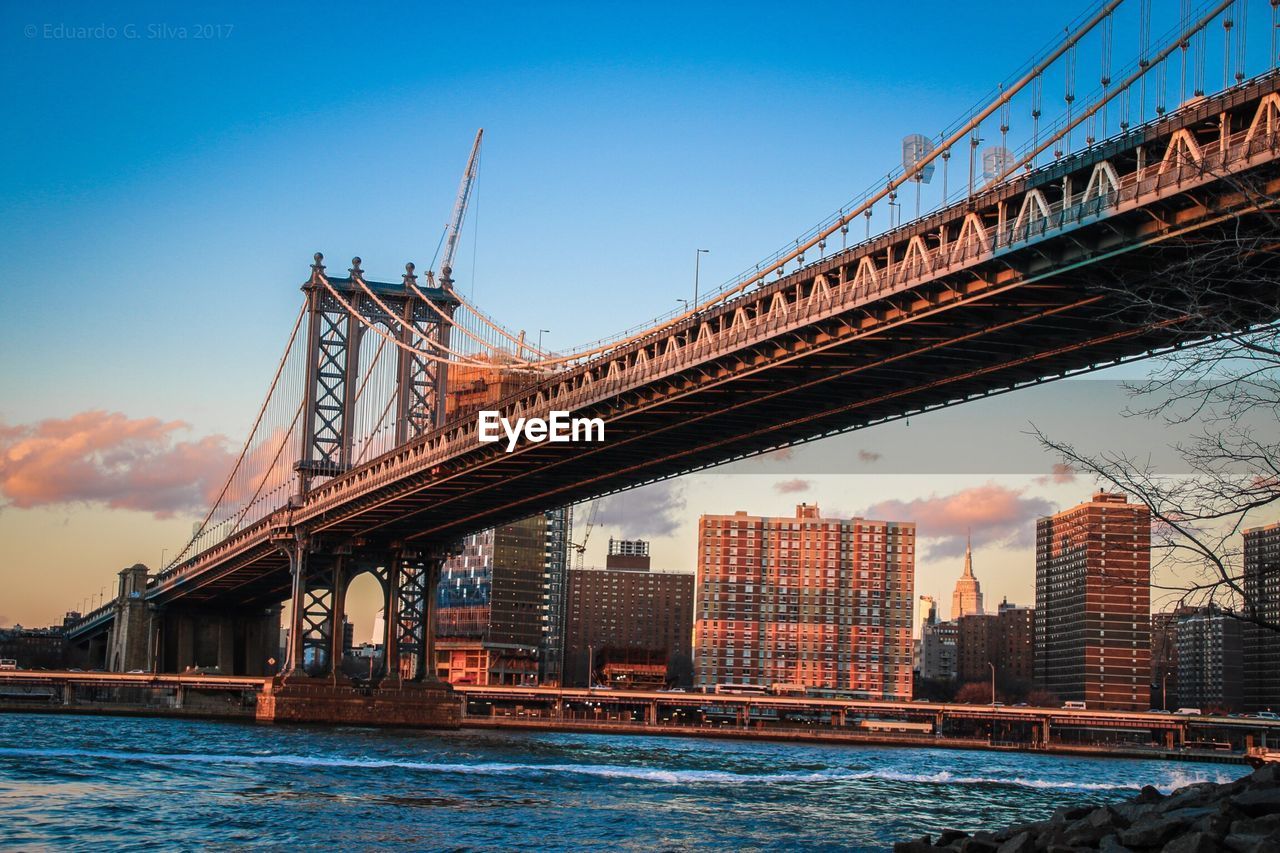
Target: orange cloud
pixel 109 459
pixel 787 487
pixel 996 514
pixel 1062 473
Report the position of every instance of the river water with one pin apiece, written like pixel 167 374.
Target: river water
pixel 90 782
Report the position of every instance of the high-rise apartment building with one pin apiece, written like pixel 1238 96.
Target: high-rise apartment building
pixel 1093 603
pixel 1262 601
pixel 1004 639
pixel 1210 665
pixel 822 602
pixel 627 625
pixel 966 599
pixel 1164 659
pixel 1015 644
pixel 938 649
pixel 555 594
pixel 490 606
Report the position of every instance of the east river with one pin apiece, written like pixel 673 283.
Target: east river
pixel 95 782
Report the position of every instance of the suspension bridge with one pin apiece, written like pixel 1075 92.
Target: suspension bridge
pixel 1121 180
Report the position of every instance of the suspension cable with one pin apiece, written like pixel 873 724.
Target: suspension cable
pixel 244 450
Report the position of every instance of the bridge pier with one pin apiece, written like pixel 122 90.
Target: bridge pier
pixel 313 688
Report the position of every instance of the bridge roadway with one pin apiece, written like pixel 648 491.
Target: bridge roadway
pixel 1019 285
pixel 674 712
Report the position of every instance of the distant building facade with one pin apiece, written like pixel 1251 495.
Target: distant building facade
pixel 1164 658
pixel 490 606
pixel 1093 603
pixel 938 649
pixel 1262 645
pixel 1004 639
pixel 555 594
pixel 35 648
pixel 629 626
pixel 1015 646
pixel 1210 660
pixel 937 646
pixel 806 600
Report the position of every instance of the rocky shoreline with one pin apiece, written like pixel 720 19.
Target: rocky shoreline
pixel 1236 817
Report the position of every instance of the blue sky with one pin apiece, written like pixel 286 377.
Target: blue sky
pixel 162 195
pixel 170 191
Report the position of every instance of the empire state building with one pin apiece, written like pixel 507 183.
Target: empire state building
pixel 967 598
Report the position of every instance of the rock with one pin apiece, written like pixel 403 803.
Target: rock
pixel 1023 842
pixel 1111 845
pixel 1267 825
pixel 1149 794
pixel 1256 802
pixel 1193 842
pixel 1067 814
pixel 1266 775
pixel 978 845
pixel 1090 829
pixel 1134 810
pixel 1199 794
pixel 1151 830
pixel 920 845
pixel 949 835
pixel 1219 822
pixel 1248 844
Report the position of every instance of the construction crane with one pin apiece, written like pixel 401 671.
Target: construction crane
pixel 460 210
pixel 581 548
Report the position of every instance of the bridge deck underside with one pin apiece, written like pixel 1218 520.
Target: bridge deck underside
pixel 1036 310
pixel 1031 315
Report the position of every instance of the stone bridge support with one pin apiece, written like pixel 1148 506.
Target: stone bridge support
pixel 127 643
pixel 312 688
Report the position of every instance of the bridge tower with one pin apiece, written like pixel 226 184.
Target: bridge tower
pixel 333 368
pixel 416 320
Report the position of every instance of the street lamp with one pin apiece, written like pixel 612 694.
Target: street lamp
pixel 1164 692
pixel 993 683
pixel 684 302
pixel 540 331
pixel 697 264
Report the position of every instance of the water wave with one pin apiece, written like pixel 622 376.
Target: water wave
pixel 669 776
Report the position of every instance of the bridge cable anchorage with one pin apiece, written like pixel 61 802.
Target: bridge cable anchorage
pixel 244 450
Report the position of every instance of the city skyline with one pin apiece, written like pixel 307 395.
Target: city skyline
pixel 850 426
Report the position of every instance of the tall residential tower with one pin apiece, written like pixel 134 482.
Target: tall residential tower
pixel 806 600
pixel 1093 603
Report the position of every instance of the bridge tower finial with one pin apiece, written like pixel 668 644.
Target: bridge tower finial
pixel 409 277
pixel 355 271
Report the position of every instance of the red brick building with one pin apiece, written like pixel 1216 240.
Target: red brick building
pixel 1093 603
pixel 1005 638
pixel 632 627
pixel 822 602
